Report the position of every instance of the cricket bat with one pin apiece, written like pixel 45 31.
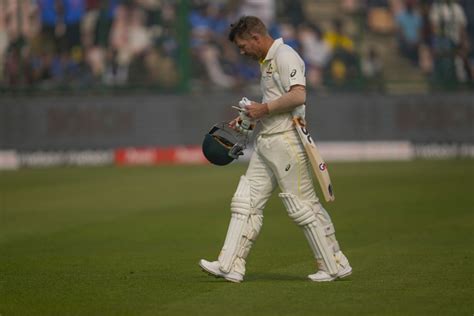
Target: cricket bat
pixel 320 168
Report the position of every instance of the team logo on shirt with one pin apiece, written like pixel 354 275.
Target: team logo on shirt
pixel 293 73
pixel 269 70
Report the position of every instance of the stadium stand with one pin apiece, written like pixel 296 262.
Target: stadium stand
pixel 392 46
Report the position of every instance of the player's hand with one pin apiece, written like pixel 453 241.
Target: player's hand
pixel 242 126
pixel 256 110
pixel 233 123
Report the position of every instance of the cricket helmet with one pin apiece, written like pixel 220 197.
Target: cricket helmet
pixel 221 145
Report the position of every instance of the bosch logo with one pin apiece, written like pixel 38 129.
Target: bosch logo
pixel 322 166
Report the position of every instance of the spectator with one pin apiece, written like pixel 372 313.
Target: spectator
pixel 205 25
pixel 96 60
pixel 119 51
pixel 372 69
pixel 106 16
pixel 342 71
pixel 139 42
pixel 64 68
pixel 449 24
pixel 343 68
pixel 443 48
pixel 49 19
pixel 351 6
pixel 379 16
pixel 4 41
pixel 468 6
pixel 288 33
pixel 448 17
pixel 139 39
pixel 426 37
pixel 114 73
pixel 53 23
pixel 293 9
pixel 41 68
pixel 337 39
pixel 97 38
pixel 13 74
pixel 409 24
pixel 264 9
pixel 161 69
pixel 315 51
pixel 19 23
pixel 73 12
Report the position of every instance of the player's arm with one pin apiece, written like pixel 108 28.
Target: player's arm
pixel 286 103
pixel 289 101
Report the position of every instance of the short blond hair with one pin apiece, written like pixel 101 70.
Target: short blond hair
pixel 245 26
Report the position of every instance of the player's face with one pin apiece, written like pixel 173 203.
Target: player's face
pixel 249 47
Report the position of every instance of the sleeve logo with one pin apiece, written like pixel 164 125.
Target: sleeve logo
pixel 293 73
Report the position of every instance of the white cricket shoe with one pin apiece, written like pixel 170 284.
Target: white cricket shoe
pixel 213 268
pixel 345 270
pixel 323 276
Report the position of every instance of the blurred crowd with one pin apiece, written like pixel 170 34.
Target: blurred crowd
pixel 330 55
pixel 77 43
pixel 86 43
pixel 435 35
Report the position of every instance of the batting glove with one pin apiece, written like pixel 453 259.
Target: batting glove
pixel 245 124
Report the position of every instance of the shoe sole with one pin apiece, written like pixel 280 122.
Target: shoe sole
pixel 348 273
pixel 342 276
pixel 217 276
pixel 323 280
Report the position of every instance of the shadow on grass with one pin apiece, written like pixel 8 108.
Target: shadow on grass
pixel 259 277
pixel 265 276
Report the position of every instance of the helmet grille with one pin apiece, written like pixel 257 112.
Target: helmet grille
pixel 223 141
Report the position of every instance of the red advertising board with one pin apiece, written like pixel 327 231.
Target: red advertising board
pixel 157 156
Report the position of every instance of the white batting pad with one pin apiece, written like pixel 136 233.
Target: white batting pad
pixel 304 216
pixel 244 228
pixel 328 228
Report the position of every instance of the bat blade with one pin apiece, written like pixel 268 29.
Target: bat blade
pixel 319 167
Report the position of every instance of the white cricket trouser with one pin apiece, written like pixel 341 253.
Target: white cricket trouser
pixel 279 160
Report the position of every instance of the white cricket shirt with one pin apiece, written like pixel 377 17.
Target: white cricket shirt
pixel 281 69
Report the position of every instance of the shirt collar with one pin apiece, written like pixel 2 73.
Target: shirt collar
pixel 271 52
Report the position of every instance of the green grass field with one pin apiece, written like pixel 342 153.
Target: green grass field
pixel 126 241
